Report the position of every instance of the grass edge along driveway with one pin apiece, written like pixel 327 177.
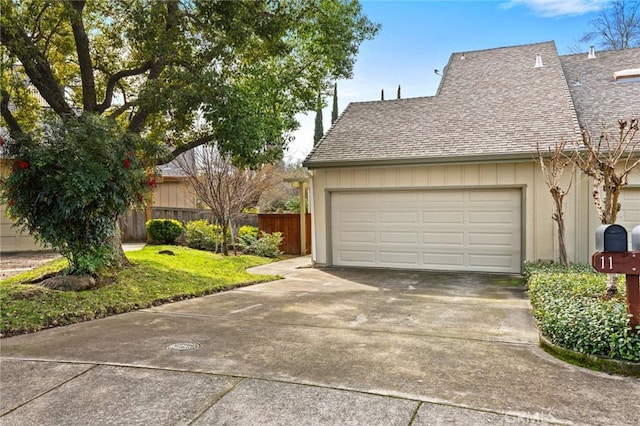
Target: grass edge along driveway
pixel 154 279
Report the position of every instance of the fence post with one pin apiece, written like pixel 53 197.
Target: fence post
pixel 302 184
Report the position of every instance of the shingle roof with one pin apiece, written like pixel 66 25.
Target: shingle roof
pixel 490 102
pixel 598 99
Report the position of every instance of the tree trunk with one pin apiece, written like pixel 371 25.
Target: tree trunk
pixel 233 242
pixel 559 219
pixel 564 260
pixel 612 286
pixel 119 260
pixel 225 246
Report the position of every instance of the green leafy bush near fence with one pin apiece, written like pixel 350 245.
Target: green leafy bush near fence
pixel 248 230
pixel 164 231
pixel 570 311
pixel 202 235
pixel 265 244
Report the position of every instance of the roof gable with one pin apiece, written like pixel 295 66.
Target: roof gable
pixel 490 102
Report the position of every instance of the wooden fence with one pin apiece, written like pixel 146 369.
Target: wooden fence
pixel 132 226
pixel 289 225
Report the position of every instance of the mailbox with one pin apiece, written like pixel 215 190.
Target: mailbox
pixel 635 238
pixel 611 238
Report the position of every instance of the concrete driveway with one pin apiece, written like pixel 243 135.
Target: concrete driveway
pixel 335 346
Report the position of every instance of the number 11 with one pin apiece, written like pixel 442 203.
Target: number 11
pixel 602 263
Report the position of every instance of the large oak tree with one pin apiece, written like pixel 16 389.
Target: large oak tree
pixel 176 74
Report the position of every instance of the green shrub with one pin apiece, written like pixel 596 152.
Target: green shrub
pixel 164 231
pixel 248 230
pixel 70 180
pixel 292 205
pixel 569 311
pixel 202 235
pixel 531 268
pixel 265 245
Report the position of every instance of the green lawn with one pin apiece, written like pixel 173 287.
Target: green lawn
pixel 154 279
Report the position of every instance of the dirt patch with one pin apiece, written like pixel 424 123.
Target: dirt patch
pixel 14 263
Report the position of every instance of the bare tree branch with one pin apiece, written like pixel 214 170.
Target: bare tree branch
pixel 223 187
pixel 608 162
pixel 617 26
pixel 553 167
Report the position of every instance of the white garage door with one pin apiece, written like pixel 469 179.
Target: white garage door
pixel 629 215
pixel 11 239
pixel 454 230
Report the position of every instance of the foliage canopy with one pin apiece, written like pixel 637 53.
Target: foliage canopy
pixel 180 73
pixel 154 78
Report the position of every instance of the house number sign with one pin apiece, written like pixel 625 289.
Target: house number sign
pixel 616 262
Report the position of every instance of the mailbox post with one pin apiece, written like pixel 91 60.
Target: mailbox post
pixel 613 257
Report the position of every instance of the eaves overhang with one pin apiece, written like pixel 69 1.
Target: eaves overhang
pixel 462 159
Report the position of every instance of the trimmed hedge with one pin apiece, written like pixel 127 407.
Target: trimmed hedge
pixel 164 231
pixel 570 311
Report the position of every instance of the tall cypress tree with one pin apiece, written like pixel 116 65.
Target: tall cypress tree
pixel 334 112
pixel 398 91
pixel 319 130
pixel 382 95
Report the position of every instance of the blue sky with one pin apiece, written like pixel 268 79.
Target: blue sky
pixel 419 36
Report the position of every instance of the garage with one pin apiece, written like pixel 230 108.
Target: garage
pixel 11 239
pixel 439 229
pixel 629 215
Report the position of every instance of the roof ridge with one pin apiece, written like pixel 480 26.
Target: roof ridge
pixel 569 95
pixel 414 98
pixel 505 47
pixel 619 51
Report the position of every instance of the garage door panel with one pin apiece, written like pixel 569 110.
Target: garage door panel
pixel 490 196
pixel 440 238
pixel 399 237
pixel 457 229
pixel 406 258
pixel 398 197
pixel 444 197
pixel 493 217
pixel 357 237
pixel 358 256
pixel 444 218
pixel 629 215
pixel 359 199
pixel 398 217
pixel 357 217
pixel 505 240
pixel 495 262
pixel 442 260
